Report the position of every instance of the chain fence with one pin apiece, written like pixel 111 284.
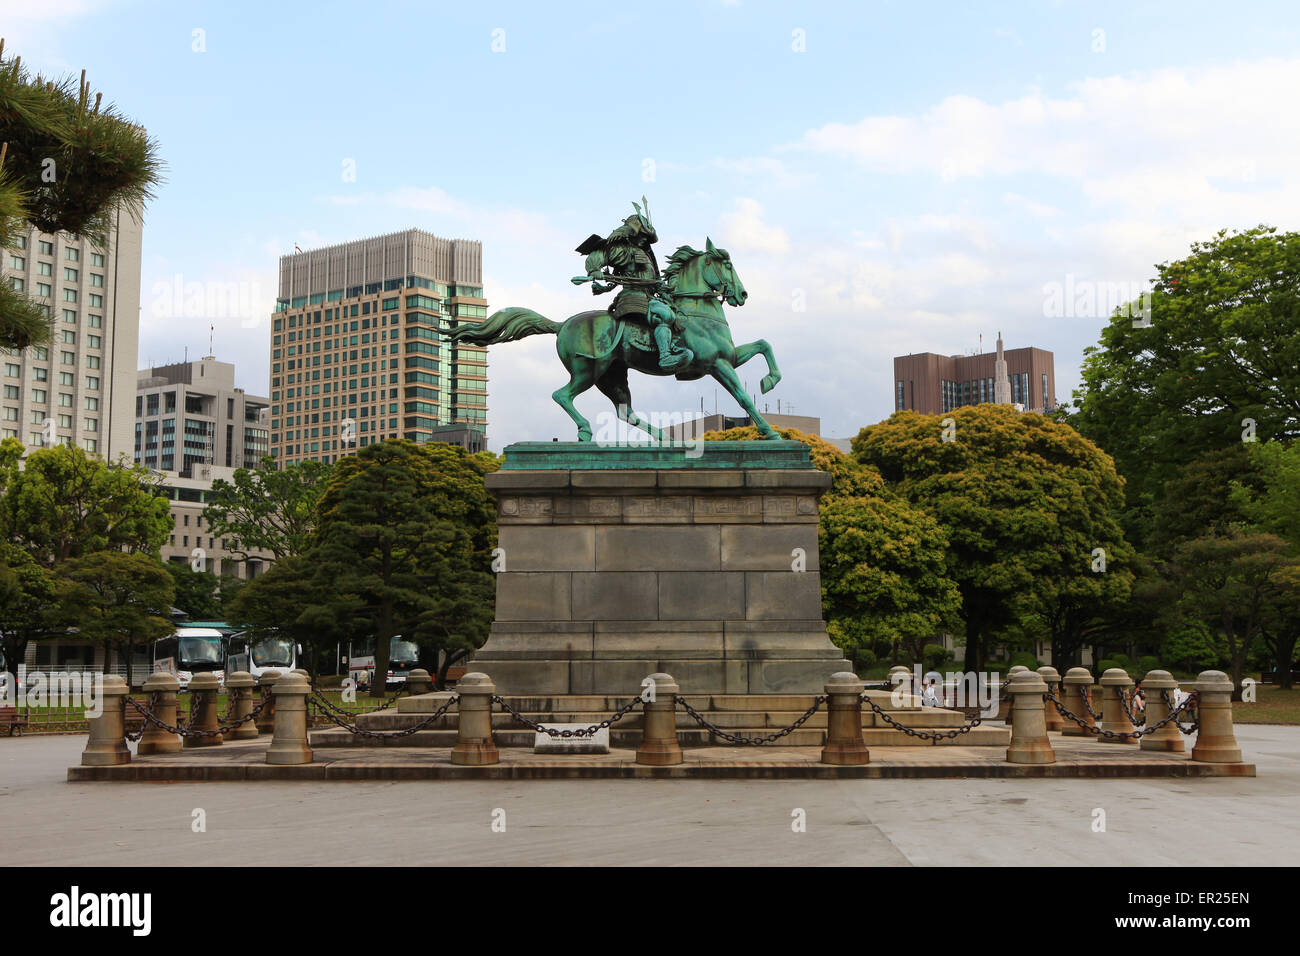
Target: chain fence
pixel 341 717
pixel 554 732
pixel 740 738
pixel 923 734
pixel 1093 729
pixel 186 729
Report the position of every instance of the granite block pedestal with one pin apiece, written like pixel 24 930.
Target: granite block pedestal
pixel 621 562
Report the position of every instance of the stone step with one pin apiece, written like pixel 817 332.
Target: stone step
pixel 574 704
pixel 929 717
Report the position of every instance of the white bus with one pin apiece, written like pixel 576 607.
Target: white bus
pixel 403 656
pixel 257 655
pixel 191 650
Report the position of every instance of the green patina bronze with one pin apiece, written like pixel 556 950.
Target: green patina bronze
pixel 668 323
pixel 705 455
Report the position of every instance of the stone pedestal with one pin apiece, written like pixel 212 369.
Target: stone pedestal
pixel 617 562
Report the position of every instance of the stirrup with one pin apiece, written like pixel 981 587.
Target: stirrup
pixel 676 360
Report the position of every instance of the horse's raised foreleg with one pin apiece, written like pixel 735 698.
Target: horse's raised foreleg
pixel 746 352
pixel 581 378
pixel 728 379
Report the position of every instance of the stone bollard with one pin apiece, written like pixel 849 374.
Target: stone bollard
pixel 1114 716
pixel 1076 683
pixel 1051 715
pixel 900 679
pixel 305 675
pixel 1029 743
pixel 289 745
pixel 659 746
pixel 1215 741
pixel 419 681
pixel 844 745
pixel 204 707
pixel 161 688
pixel 266 684
pixel 1168 738
pixel 239 687
pixel 1004 698
pixel 474 744
pixel 106 745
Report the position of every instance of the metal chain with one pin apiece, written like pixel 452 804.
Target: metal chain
pixel 749 741
pixel 922 734
pixel 1137 720
pixel 1196 720
pixel 1093 729
pixel 1085 694
pixel 339 717
pixel 134 736
pixel 553 732
pixel 187 729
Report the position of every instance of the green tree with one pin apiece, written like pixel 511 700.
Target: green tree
pixel 66 504
pixel 404 542
pixel 67 163
pixel 284 601
pixel 196 591
pixel 1266 491
pixel 883 574
pixel 27 604
pixel 1222 346
pixel 1026 504
pixel 267 508
pixel 1230 586
pixel 120 600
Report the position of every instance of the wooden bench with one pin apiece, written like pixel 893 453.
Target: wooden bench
pixel 10 718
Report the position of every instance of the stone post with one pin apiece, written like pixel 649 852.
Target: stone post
pixel 239 687
pixel 106 745
pixel 844 745
pixel 289 745
pixel 1051 715
pixel 1215 741
pixel 900 679
pixel 1114 716
pixel 266 685
pixel 419 681
pixel 204 707
pixel 1168 738
pixel 1029 743
pixel 1004 698
pixel 1076 683
pixel 474 744
pixel 659 746
pixel 304 674
pixel 161 688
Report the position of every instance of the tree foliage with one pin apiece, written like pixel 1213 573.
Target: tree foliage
pixel 1223 346
pixel 1026 504
pixel 267 508
pixel 68 162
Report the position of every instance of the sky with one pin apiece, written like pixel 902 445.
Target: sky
pixel 888 177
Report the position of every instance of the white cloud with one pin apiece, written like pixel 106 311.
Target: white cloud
pixel 744 230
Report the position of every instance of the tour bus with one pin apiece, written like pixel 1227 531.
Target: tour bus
pixel 257 655
pixel 403 656
pixel 191 650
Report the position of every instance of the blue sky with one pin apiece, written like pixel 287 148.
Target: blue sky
pixel 913 175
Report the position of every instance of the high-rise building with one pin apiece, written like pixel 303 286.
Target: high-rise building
pixel 79 389
pixel 190 414
pixel 358 346
pixel 933 384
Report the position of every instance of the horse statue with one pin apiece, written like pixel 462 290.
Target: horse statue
pixel 598 348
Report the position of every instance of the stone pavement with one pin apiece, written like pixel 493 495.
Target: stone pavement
pixel 1149 822
pixel 245 760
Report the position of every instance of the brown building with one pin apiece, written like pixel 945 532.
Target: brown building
pixel 933 384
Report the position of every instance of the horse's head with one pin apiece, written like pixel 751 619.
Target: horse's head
pixel 691 272
pixel 721 276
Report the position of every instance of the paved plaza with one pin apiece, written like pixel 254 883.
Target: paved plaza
pixel 1234 821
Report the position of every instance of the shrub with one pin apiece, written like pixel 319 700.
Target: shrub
pixel 1147 664
pixel 935 656
pixel 1024 658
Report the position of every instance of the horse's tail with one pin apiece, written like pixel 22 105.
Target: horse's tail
pixel 505 325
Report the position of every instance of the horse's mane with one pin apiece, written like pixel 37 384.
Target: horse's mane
pixel 677 261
